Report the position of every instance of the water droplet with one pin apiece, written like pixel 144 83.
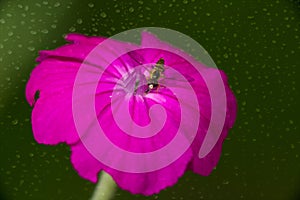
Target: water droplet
pixel 45 31
pixel 21 182
pixel 30 48
pixel 91 5
pixel 33 32
pixel 103 14
pixel 72 29
pixel 79 21
pixel 15 122
pixel 131 9
pixel 57 4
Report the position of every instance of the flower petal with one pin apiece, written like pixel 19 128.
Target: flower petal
pixel 52 120
pixel 204 166
pixel 53 79
pixel 137 183
pixel 85 164
pixel 82 39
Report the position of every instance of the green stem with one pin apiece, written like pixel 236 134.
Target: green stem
pixel 105 187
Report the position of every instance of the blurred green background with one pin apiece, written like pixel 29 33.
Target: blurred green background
pixel 255 42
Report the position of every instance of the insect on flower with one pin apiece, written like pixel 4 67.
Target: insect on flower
pixel 155 74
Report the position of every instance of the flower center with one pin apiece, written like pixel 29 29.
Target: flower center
pixel 134 82
pixel 141 80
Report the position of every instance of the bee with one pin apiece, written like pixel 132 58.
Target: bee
pixel 155 74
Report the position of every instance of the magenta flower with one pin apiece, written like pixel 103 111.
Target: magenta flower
pixel 123 89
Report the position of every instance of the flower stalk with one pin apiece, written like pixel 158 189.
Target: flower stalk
pixel 105 188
